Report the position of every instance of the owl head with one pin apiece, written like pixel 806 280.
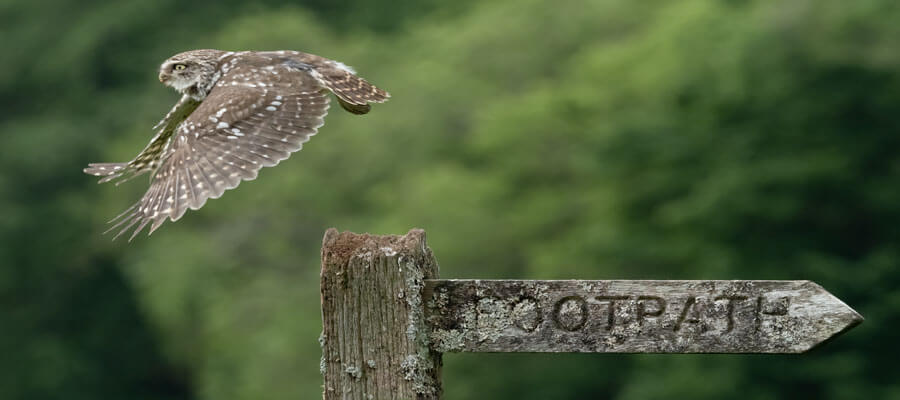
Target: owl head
pixel 191 72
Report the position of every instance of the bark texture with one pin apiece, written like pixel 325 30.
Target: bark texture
pixel 374 338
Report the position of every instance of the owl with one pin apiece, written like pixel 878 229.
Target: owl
pixel 239 112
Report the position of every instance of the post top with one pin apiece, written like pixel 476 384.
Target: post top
pixel 339 247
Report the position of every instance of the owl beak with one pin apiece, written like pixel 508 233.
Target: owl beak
pixel 162 78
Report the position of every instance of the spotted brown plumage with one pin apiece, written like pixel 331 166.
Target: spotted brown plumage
pixel 240 111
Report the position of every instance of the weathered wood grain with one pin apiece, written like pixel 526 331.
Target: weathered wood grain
pixel 620 316
pixel 387 318
pixel 374 338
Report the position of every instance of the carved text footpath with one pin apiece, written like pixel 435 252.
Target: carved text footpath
pixel 632 316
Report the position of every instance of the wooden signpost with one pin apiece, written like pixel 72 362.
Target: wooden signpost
pixel 387 318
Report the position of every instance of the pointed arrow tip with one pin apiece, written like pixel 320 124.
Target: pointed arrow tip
pixel 848 316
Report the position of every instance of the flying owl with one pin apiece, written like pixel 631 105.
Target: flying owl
pixel 239 112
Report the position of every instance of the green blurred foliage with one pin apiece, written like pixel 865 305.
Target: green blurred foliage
pixel 575 139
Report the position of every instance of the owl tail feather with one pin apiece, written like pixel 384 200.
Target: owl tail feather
pixel 352 89
pixel 358 109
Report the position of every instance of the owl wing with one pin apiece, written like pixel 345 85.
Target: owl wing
pixel 254 117
pixel 149 158
pixel 352 91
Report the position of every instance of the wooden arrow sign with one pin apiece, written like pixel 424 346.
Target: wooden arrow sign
pixel 386 319
pixel 622 316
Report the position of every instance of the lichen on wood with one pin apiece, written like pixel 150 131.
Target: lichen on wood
pixel 374 339
pixel 632 316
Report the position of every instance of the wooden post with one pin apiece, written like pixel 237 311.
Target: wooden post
pixel 374 338
pixel 387 318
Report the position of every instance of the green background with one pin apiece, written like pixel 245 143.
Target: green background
pixel 613 139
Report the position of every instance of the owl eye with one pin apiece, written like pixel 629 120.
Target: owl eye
pixel 179 67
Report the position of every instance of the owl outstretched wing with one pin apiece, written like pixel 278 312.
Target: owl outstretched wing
pixel 149 158
pixel 255 116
